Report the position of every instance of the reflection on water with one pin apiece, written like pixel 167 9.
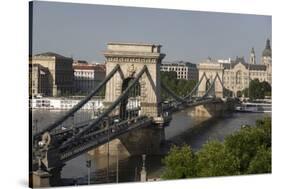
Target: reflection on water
pixel 183 129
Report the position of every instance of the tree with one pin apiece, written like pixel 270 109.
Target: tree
pixel 255 90
pixel 245 92
pixel 214 160
pixel 266 88
pixel 227 93
pixel 258 90
pixel 261 163
pixel 247 151
pixel 245 143
pixel 180 87
pixel 179 163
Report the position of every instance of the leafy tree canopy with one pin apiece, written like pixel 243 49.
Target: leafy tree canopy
pixel 247 151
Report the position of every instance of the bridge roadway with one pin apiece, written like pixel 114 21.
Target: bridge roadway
pixel 104 133
pixel 102 136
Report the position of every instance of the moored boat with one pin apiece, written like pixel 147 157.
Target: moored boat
pixel 254 107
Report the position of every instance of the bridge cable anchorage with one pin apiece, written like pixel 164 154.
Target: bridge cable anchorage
pixel 196 86
pixel 106 112
pixel 176 97
pixel 79 105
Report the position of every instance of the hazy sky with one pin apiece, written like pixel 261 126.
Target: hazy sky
pixel 82 31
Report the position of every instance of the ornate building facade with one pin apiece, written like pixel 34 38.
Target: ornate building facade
pixel 237 74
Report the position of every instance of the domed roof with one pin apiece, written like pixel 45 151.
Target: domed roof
pixel 267 50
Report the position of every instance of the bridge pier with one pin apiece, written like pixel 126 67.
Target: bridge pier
pixel 40 178
pixel 137 142
pixel 212 110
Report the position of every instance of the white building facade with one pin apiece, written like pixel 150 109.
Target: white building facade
pixel 184 70
pixel 87 77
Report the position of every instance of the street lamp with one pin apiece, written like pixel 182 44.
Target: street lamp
pixel 117 163
pixel 35 128
pixel 88 164
pixel 107 126
pixel 143 171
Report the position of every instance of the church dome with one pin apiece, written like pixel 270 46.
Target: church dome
pixel 267 50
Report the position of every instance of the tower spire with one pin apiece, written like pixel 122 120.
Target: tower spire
pixel 268 44
pixel 267 51
pixel 252 56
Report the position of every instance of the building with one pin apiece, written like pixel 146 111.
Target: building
pixel 87 76
pixel 184 70
pixel 237 74
pixel 39 80
pixel 60 72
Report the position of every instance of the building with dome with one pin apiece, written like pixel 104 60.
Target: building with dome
pixel 237 74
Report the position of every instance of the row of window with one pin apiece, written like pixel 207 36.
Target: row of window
pixel 80 73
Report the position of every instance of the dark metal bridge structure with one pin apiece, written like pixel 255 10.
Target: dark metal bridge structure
pixel 66 139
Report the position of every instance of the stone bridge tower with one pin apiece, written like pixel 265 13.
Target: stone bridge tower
pixel 132 57
pixel 211 69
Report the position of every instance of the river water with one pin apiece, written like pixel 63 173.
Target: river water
pixel 183 129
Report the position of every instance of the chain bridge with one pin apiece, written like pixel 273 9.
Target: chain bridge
pixel 132 100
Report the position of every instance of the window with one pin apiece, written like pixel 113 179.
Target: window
pixel 238 77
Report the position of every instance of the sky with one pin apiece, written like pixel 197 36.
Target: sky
pixel 82 31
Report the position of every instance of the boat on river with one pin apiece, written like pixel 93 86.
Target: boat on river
pixel 254 107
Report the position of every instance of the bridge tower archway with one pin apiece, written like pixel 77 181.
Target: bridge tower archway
pixel 132 57
pixel 130 106
pixel 213 72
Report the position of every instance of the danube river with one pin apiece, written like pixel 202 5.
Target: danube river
pixel 183 129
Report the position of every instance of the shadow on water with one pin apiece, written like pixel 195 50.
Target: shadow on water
pixel 191 135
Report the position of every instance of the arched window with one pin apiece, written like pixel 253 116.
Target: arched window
pixel 238 77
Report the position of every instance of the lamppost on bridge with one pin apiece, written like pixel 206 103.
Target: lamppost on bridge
pixel 35 127
pixel 106 120
pixel 88 164
pixel 143 171
pixel 117 164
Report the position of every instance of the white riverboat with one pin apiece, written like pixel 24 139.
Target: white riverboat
pixel 254 107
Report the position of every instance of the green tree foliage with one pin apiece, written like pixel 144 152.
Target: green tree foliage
pixel 258 90
pixel 261 163
pixel 245 92
pixel 227 93
pixel 244 145
pixel 180 163
pixel 215 160
pixel 180 86
pixel 247 151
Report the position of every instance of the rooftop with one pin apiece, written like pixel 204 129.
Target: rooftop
pixel 179 63
pixel 133 44
pixel 114 47
pixel 100 68
pixel 50 54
